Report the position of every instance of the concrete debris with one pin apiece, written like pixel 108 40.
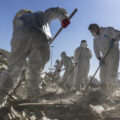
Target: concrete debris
pixel 3 59
pixel 59 105
pixel 96 109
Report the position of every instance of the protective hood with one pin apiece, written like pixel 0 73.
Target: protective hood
pixel 83 44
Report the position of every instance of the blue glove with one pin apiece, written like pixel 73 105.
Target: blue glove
pixel 111 45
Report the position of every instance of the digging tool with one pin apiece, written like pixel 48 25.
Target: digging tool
pixel 72 14
pixel 96 71
pixel 67 76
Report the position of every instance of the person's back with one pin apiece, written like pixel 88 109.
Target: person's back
pixel 17 21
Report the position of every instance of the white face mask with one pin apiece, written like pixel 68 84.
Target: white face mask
pixel 93 33
pixel 83 44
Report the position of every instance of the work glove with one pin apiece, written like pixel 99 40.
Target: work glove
pixel 76 63
pixel 59 70
pixel 101 61
pixel 111 45
pixel 65 23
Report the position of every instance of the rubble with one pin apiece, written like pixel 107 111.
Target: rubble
pixel 63 105
pixel 3 59
pixel 20 90
pixel 67 106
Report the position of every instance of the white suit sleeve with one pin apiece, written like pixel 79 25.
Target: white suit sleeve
pixel 89 54
pixel 116 34
pixel 76 55
pixel 56 13
pixel 61 63
pixel 96 49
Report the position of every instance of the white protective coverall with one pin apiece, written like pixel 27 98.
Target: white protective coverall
pixel 82 56
pixel 58 67
pixel 69 66
pixel 109 69
pixel 31 35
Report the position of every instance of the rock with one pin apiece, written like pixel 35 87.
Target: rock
pixel 3 59
pixel 3 66
pixel 96 109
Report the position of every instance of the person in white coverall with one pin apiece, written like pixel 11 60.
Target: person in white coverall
pixel 68 75
pixel 31 36
pixel 104 40
pixel 57 71
pixel 82 56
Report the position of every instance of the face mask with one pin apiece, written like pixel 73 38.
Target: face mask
pixel 93 33
pixel 83 44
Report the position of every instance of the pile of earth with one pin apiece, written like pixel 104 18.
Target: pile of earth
pixel 62 105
